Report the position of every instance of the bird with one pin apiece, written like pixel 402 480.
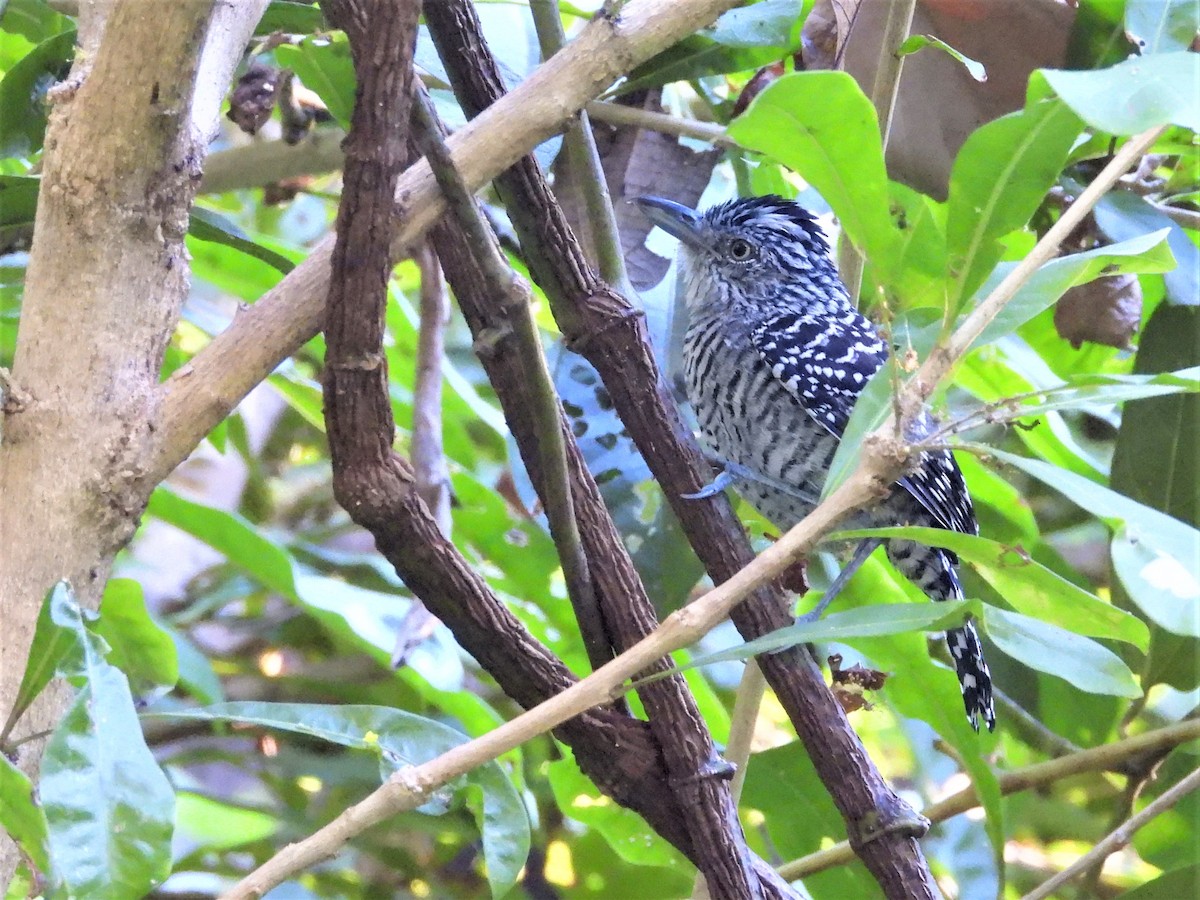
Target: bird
pixel 775 355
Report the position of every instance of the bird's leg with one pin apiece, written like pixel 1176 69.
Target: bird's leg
pixel 731 473
pixel 861 552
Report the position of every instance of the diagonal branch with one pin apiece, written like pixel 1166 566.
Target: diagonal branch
pixel 876 471
pixel 610 333
pixel 197 397
pixel 495 303
pixel 1113 757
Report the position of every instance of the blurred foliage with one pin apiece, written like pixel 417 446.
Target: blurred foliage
pixel 252 625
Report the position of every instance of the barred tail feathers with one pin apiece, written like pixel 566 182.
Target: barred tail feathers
pixel 932 570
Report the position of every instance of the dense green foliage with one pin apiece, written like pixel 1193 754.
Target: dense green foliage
pixel 250 625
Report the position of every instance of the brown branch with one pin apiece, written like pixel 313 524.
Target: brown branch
pixel 428 454
pixel 605 328
pixel 1120 836
pixel 1114 757
pixel 201 394
pixel 495 303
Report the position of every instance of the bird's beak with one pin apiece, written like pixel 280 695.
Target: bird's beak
pixel 674 218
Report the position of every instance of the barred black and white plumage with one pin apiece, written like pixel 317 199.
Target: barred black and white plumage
pixel 775 357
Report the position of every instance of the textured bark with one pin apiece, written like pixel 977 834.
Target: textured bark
pixel 377 486
pixel 610 333
pixel 697 776
pixel 106 278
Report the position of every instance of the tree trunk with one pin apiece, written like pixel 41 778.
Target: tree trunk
pixel 107 275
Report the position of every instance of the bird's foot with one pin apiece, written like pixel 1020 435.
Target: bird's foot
pixel 732 472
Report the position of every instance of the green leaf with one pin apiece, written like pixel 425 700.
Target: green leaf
pixel 864 622
pixel 1000 177
pixel 207 225
pixel 1072 657
pixel 230 534
pixel 1123 215
pixel 741 40
pixel 1159 26
pixel 1133 95
pixel 23 94
pixel 768 23
pixel 21 818
pixel 18 199
pixel 1144 254
pixel 822 126
pixel 920 41
pixel 1155 554
pixel 1173 885
pixel 53 649
pixel 32 19
pixel 1167 431
pixel 291 18
pixel 400 739
pixel 1025 584
pixel 624 830
pixel 872 407
pixel 324 66
pixel 221 826
pixel 109 807
pixel 140 647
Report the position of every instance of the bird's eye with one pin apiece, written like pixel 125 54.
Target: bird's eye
pixel 741 250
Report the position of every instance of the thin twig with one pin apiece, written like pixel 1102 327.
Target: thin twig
pixel 1120 836
pixel 876 468
pixel 428 454
pixel 1108 757
pixel 556 493
pixel 585 161
pixel 619 114
pixel 884 90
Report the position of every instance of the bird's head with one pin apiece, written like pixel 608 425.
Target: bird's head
pixel 749 254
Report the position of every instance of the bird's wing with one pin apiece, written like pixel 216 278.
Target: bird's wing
pixel 825 363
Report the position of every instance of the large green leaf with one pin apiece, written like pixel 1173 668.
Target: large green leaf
pixel 109 807
pixel 400 739
pixel 325 67
pixel 1056 651
pixel 1026 585
pixel 624 830
pixel 1160 26
pixel 742 40
pixel 1155 554
pixel 1000 177
pixel 1155 462
pixel 23 94
pixel 53 649
pixel 18 199
pixel 230 534
pixel 21 818
pixel 1133 95
pixel 139 646
pixel 822 126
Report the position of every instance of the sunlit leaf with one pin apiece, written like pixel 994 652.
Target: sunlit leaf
pixel 400 739
pixel 1133 95
pixel 1025 584
pixel 1056 651
pixel 109 807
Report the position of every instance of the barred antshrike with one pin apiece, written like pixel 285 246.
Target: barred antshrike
pixel 775 356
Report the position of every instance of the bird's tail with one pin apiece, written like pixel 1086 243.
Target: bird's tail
pixel 932 570
pixel 973 675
